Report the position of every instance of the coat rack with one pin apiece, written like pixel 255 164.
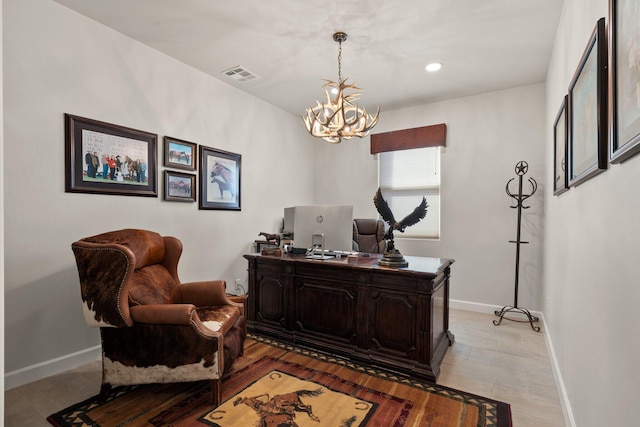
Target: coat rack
pixel 521 169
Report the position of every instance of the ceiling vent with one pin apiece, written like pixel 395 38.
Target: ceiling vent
pixel 240 74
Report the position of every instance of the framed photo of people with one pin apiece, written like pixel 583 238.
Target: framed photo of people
pixel 219 179
pixel 587 148
pixel 624 79
pixel 104 158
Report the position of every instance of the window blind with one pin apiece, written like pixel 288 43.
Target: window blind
pixel 406 176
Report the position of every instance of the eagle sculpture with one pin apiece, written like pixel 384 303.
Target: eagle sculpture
pixel 385 212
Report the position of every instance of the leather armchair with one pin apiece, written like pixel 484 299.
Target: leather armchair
pixel 368 235
pixel 154 328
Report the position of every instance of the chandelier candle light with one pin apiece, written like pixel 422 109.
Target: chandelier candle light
pixel 339 117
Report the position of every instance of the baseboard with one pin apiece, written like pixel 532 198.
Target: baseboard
pixel 569 419
pixel 480 307
pixel 51 367
pixel 473 306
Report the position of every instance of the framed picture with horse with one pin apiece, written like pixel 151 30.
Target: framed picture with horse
pixel 180 154
pixel 219 179
pixel 104 158
pixel 179 186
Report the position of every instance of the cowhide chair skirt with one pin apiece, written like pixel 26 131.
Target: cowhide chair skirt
pixel 155 329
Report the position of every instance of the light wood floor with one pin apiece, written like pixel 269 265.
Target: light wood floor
pixel 509 363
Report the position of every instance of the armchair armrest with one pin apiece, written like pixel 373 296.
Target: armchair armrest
pixel 239 300
pixel 210 293
pixel 202 294
pixel 164 314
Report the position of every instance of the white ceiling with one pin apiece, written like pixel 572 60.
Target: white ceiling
pixel 485 45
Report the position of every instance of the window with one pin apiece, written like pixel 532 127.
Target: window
pixel 406 176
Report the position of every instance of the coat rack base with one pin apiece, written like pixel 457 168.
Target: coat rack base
pixel 523 311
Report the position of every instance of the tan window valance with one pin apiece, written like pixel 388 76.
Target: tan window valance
pixel 426 136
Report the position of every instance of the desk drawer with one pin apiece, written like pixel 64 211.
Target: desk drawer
pixel 326 271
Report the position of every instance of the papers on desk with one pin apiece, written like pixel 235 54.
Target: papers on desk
pixel 319 257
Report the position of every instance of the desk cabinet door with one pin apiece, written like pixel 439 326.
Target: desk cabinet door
pixel 270 299
pixel 393 318
pixel 326 308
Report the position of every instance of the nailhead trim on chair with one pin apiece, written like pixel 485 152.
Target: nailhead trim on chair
pixel 126 272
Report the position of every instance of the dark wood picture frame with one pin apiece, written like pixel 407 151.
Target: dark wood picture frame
pixel 180 154
pixel 624 80
pixel 220 173
pixel 179 186
pixel 560 143
pixel 587 148
pixel 125 158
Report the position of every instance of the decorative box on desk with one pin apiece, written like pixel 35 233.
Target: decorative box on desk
pixel 261 244
pixel 393 318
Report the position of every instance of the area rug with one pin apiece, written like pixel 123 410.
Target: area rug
pixel 277 385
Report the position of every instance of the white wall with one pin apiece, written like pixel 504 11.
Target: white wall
pixel 590 255
pixel 486 136
pixel 57 61
pixel 2 334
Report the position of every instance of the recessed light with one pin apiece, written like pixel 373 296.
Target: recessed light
pixel 434 66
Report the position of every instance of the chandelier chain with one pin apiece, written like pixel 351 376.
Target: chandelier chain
pixel 339 117
pixel 340 62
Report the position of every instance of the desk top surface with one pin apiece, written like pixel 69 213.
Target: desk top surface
pixel 417 264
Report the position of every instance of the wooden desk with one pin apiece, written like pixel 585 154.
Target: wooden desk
pixel 393 318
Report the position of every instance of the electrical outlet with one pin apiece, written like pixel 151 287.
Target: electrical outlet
pixel 238 286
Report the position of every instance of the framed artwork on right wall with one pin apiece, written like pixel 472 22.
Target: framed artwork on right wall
pixel 624 79
pixel 587 147
pixel 560 136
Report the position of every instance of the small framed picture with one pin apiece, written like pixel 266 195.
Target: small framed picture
pixel 219 179
pixel 104 158
pixel 587 148
pixel 560 140
pixel 179 186
pixel 180 154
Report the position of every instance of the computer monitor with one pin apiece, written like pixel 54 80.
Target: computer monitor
pixel 334 222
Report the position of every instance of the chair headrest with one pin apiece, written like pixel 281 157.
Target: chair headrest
pixel 367 225
pixel 147 246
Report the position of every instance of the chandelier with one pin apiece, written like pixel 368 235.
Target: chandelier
pixel 339 117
